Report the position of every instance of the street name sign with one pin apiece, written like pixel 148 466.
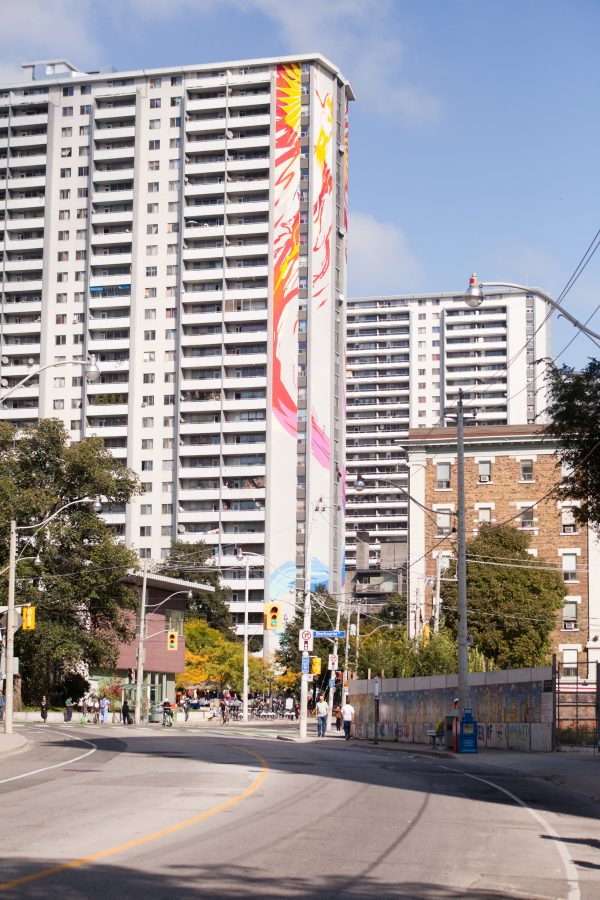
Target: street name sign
pixel 329 634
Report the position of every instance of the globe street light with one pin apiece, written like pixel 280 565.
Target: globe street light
pixel 10 611
pixel 91 371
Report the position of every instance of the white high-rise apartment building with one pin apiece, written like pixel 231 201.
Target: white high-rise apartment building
pixel 187 227
pixel 407 358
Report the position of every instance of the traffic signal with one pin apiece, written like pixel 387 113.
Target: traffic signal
pixel 315 665
pixel 28 613
pixel 272 615
pixel 172 640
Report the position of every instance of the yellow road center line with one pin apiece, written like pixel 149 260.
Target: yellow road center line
pixel 149 838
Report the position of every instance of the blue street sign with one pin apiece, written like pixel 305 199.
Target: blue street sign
pixel 332 682
pixel 329 634
pixel 305 665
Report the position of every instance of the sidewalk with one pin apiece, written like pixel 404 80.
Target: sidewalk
pixel 578 770
pixel 11 744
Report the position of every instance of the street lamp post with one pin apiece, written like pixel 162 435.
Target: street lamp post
pixel 92 372
pixel 10 611
pixel 246 676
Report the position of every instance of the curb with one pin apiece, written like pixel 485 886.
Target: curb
pixel 20 745
pixel 414 751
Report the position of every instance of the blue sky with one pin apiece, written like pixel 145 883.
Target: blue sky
pixel 475 137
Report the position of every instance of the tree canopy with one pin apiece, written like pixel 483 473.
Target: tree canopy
pixel 390 650
pixel 574 410
pixel 513 605
pixel 210 656
pixel 81 602
pixel 190 561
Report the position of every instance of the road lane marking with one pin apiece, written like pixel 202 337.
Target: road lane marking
pixel 149 838
pixel 56 765
pixel 573 892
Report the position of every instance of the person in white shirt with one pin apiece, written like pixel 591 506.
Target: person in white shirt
pixel 322 713
pixel 348 717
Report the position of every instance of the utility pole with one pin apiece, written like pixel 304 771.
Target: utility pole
pixel 461 563
pixel 357 633
pixel 304 678
pixel 437 597
pixel 346 655
pixel 10 630
pixel 338 617
pixel 139 678
pixel 246 676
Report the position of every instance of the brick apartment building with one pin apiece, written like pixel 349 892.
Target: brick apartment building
pixel 508 470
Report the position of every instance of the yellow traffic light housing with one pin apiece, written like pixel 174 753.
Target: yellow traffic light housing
pixel 172 640
pixel 315 665
pixel 272 616
pixel 28 613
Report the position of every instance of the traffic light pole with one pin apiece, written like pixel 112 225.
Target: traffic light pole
pixel 246 675
pixel 139 678
pixel 338 617
pixel 304 677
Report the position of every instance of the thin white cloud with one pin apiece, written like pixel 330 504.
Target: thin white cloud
pixel 45 29
pixel 380 260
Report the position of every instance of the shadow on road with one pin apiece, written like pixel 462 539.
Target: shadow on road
pixel 220 881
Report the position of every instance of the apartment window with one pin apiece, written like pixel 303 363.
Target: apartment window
pixel 170 334
pixel 569 525
pixel 168 421
pixel 146 509
pixel 166 531
pixel 169 377
pixel 63 256
pixel 61 277
pixel 82 213
pixel 61 298
pixel 151 249
pixel 85 110
pixel 150 314
pixel 153 165
pixel 526 471
pixel 65 173
pixel 167 465
pixel 84 151
pixel 569 566
pixel 149 335
pixel 154 124
pixel 154 145
pixel 147 444
pixel 80 254
pixel 66 132
pixel 176 80
pixel 67 111
pixel 442 477
pixel 570 615
pixel 152 228
pixel 152 208
pixel 175 122
pixel 75 425
pixel 59 382
pixel 151 271
pixel 67 91
pixel 149 377
pixel 169 355
pixel 174 186
pixel 65 194
pixel 169 400
pixel 148 400
pixel 82 192
pixel 145 552
pixel 172 270
pixel 155 103
pixel 86 89
pixel 175 143
pixel 167 509
pixel 80 234
pixel 155 82
pixel 484 515
pixel 171 249
pixel 61 319
pixel 58 404
pixel 569 663
pixel 484 471
pixel 84 130
pixel 172 227
pixel 526 518
pixel 60 339
pixel 153 187
pixel 167 443
pixel 147 465
pixel 167 487
pixel 150 293
pixel 145 530
pixel 176 101
pixel 443 520
pixel 149 355
pixel 148 422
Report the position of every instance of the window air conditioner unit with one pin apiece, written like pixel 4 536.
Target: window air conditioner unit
pixel 570 625
pixel 484 479
pixel 569 529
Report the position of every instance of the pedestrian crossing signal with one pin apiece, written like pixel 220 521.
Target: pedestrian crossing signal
pixel 172 640
pixel 28 613
pixel 272 616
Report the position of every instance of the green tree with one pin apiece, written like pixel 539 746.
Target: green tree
pixel 192 562
pixel 512 607
pixel 213 657
pixel 389 650
pixel 574 410
pixel 82 604
pixel 323 618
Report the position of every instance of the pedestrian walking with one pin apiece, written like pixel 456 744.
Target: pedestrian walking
pixel 337 712
pixel 68 709
pixel 84 709
pixel 96 711
pixel 347 718
pixel 125 716
pixel 104 705
pixel 2 706
pixel 224 709
pixel 322 713
pixel 185 704
pixel 44 708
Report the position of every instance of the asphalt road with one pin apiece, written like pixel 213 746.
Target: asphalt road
pixel 151 814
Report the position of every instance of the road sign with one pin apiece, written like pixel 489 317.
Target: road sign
pixel 329 634
pixel 305 665
pixel 305 640
pixel 332 682
pixel 333 662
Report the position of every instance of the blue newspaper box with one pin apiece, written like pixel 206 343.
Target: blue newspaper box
pixel 467 733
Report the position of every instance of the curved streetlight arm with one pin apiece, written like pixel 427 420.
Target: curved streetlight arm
pixel 154 607
pixel 30 375
pixel 544 296
pixel 404 491
pixel 39 525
